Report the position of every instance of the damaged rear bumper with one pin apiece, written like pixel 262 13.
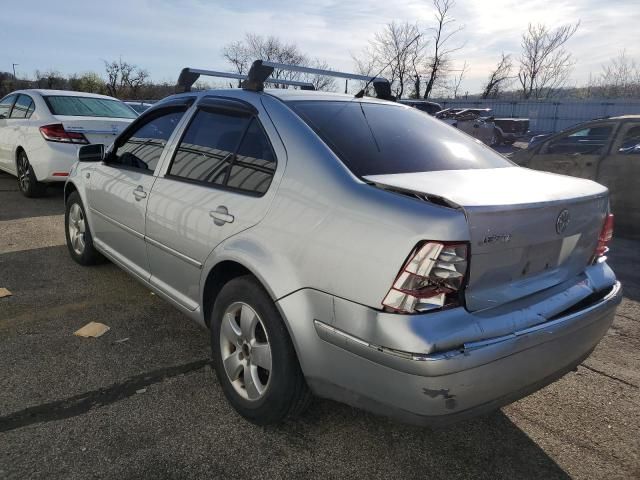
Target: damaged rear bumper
pixel 434 387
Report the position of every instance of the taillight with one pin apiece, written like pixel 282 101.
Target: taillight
pixel 432 278
pixel 605 237
pixel 57 133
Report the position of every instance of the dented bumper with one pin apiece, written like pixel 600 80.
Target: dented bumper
pixel 429 385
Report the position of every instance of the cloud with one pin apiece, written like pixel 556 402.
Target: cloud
pixel 166 35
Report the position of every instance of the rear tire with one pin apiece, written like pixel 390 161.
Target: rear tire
pixel 78 233
pixel 253 355
pixel 27 182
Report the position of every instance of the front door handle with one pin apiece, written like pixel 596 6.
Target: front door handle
pixel 221 216
pixel 139 193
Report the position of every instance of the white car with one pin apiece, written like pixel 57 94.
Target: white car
pixel 41 131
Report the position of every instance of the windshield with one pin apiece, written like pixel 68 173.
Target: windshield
pixel 378 139
pixel 88 107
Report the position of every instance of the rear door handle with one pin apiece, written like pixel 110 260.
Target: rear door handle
pixel 221 216
pixel 139 193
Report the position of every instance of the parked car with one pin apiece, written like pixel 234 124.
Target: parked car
pixel 480 123
pixel 40 131
pixel 350 247
pixel 423 105
pixel 604 150
pixel 139 107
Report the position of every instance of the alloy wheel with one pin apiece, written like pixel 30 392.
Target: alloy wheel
pixel 246 351
pixel 23 172
pixel 76 228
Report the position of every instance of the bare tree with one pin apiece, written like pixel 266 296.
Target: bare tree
pixel 50 79
pixel 443 31
pixel 545 63
pixel 499 78
pixel 456 81
pixel 124 79
pixel 618 78
pixel 241 54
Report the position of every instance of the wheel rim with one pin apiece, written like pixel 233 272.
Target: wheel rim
pixel 23 172
pixel 246 351
pixel 76 229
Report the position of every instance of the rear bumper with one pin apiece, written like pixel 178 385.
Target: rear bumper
pixel 440 387
pixel 51 159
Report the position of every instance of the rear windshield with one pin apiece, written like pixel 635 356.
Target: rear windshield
pixel 378 139
pixel 88 107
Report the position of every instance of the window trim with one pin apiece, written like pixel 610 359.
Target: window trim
pixel 223 186
pixel 135 126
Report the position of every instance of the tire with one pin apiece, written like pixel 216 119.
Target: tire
pixel 496 139
pixel 78 234
pixel 27 182
pixel 269 396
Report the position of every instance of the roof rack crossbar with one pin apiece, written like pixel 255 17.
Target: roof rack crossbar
pixel 318 71
pixel 189 76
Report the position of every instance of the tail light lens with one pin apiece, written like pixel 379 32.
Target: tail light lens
pixel 605 237
pixel 57 133
pixel 431 279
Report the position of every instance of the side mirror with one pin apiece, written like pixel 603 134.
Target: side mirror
pixel 91 153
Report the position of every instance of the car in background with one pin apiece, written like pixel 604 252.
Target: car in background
pixel 351 247
pixel 41 130
pixel 605 150
pixel 480 123
pixel 423 105
pixel 140 106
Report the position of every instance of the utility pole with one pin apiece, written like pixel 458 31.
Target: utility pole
pixel 14 70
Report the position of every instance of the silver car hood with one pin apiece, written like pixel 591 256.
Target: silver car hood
pixel 493 186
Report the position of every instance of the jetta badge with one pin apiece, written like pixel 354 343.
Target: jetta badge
pixel 562 222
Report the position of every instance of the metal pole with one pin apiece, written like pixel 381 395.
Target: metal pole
pixel 346 82
pixel 14 69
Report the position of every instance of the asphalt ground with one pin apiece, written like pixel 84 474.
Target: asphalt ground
pixel 150 406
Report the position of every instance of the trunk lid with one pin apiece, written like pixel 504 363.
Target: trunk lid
pixel 97 129
pixel 528 230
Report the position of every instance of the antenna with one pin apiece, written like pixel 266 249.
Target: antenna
pixel 360 94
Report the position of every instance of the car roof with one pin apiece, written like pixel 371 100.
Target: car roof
pixel 623 117
pixel 65 93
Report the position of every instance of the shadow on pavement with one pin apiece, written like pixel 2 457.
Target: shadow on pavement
pixel 16 206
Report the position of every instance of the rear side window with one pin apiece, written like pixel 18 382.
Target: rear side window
pixel 143 147
pixel 631 141
pixel 5 105
pixel 378 139
pixel 23 108
pixel 226 150
pixel 587 141
pixel 88 107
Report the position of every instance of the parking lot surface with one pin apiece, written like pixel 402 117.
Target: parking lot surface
pixel 142 401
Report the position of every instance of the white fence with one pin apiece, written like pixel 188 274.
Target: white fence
pixel 550 116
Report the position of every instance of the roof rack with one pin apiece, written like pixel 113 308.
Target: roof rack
pixel 261 70
pixel 189 76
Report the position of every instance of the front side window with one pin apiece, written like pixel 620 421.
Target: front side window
pixel 88 107
pixel 143 147
pixel 380 138
pixel 6 104
pixel 23 107
pixel 586 141
pixel 227 150
pixel 631 141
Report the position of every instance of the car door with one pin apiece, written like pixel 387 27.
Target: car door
pixel 18 125
pixel 7 140
pixel 620 171
pixel 119 188
pixel 216 184
pixel 577 152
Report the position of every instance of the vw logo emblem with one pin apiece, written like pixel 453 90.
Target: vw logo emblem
pixel 562 221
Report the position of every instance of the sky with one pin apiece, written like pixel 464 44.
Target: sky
pixel 163 36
